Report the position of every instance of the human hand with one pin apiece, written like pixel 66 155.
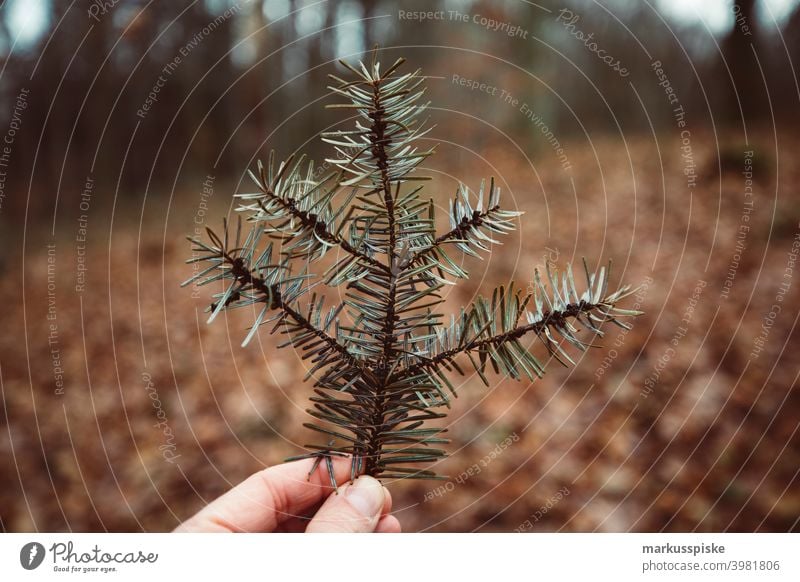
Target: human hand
pixel 284 498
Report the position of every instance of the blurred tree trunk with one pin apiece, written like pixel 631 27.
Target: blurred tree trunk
pixel 368 25
pixel 258 76
pixel 321 49
pixel 738 52
pixel 788 90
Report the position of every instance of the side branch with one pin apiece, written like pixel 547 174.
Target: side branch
pixel 491 328
pixel 552 319
pixel 273 297
pixel 458 233
pixel 312 222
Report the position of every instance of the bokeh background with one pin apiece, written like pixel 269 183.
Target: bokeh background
pixel 124 411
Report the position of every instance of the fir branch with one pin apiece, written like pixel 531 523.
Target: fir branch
pixel 380 359
pixel 477 330
pixel 472 228
pixel 395 99
pixel 272 297
pixel 230 261
pixel 310 222
pixel 554 320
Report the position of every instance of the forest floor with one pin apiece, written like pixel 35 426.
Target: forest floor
pixel 687 422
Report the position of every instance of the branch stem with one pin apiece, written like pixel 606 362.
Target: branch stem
pixel 379 144
pixel 312 221
pixel 242 274
pixel 457 233
pixel 549 318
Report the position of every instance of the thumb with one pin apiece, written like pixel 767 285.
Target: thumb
pixel 356 508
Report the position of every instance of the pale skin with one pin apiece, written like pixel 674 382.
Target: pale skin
pixel 284 498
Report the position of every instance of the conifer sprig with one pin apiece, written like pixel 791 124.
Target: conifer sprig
pixel 380 358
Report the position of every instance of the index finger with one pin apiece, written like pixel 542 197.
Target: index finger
pixel 267 498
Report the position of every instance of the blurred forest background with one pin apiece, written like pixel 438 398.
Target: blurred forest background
pixel 118 151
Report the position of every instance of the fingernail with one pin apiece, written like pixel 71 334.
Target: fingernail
pixel 366 495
